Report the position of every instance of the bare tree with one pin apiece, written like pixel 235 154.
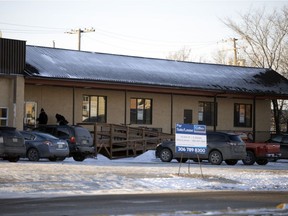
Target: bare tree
pixel 181 55
pixel 265 36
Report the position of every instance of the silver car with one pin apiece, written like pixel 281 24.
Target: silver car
pixel 220 147
pixel 11 144
pixel 42 145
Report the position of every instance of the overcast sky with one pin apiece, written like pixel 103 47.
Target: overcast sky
pixel 150 28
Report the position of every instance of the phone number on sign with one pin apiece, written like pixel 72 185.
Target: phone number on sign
pixel 191 150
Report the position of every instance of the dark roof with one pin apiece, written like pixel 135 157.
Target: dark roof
pixel 54 63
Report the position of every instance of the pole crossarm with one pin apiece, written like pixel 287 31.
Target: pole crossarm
pixel 79 32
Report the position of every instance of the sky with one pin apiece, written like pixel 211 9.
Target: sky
pixel 148 28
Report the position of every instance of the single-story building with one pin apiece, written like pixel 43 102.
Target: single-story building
pixel 136 91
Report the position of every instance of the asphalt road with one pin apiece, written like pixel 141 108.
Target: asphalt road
pixel 142 204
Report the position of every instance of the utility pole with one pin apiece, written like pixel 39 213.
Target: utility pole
pixel 235 51
pixel 79 32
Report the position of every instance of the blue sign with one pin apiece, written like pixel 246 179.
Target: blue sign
pixel 191 138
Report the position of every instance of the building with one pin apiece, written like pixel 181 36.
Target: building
pixel 141 92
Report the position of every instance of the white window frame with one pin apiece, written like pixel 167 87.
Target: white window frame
pixel 4 118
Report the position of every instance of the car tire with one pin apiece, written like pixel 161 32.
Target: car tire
pixel 184 160
pixel 249 159
pixel 13 159
pixel 79 157
pixel 215 157
pixel 52 159
pixel 33 154
pixel 262 162
pixel 231 162
pixel 165 155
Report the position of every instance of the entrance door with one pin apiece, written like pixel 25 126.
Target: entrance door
pixel 188 116
pixel 30 114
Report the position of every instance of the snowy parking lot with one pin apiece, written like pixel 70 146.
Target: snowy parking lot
pixel 142 174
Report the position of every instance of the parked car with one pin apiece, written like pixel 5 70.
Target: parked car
pixel 11 144
pixel 220 147
pixel 79 139
pixel 282 139
pixel 261 153
pixel 42 145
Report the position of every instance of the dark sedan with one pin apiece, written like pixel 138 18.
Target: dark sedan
pixel 42 145
pixel 282 139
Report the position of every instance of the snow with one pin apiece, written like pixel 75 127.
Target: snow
pixel 142 174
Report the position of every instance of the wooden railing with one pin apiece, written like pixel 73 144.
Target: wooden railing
pixel 118 141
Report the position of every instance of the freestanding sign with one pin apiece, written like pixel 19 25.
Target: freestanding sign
pixel 191 138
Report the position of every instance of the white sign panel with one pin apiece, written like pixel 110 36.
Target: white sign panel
pixel 191 138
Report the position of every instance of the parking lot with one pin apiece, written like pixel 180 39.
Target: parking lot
pixel 142 174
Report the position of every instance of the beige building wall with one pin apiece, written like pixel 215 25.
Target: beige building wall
pixel 12 98
pixel 60 100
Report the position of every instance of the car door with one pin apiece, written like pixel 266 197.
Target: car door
pixel 284 147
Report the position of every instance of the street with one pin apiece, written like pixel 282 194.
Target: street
pixel 146 204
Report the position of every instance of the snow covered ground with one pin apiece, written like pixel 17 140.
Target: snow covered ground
pixel 142 174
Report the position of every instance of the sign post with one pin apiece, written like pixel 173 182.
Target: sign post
pixel 191 139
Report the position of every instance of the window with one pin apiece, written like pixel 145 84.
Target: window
pixel 188 116
pixel 206 113
pixel 140 111
pixel 94 108
pixel 3 116
pixel 242 115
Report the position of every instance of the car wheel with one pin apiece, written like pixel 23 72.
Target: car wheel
pixel 262 161
pixel 184 160
pixel 33 154
pixel 231 162
pixel 79 157
pixel 165 155
pixel 249 159
pixel 61 158
pixel 13 159
pixel 215 158
pixel 52 158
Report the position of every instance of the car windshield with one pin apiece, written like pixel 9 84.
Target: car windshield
pixel 45 136
pixel 235 138
pixel 82 132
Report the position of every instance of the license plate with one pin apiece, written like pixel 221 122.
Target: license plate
pixel 84 142
pixel 15 140
pixel 60 146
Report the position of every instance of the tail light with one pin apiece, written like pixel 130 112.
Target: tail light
pixel 72 140
pixel 48 143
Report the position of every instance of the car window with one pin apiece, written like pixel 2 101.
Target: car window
pixel 277 139
pixel 63 133
pixel 82 132
pixel 285 139
pixel 216 138
pixel 44 136
pixel 28 136
pixel 235 138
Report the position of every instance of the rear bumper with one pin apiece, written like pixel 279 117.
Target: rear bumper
pixel 13 151
pixel 57 153
pixel 85 150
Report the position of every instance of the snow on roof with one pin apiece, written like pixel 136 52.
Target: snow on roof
pixel 89 66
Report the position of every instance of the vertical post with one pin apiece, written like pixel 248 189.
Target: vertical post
pixel 171 117
pixel 215 113
pixel 79 38
pixel 125 109
pixel 254 119
pixel 235 50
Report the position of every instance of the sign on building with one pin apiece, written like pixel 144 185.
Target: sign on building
pixel 191 138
